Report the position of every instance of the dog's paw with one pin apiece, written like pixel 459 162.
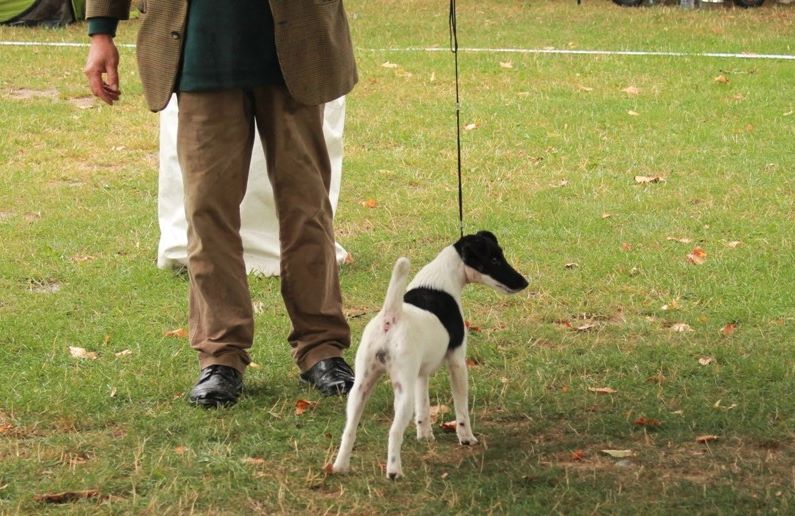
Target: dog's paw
pixel 394 475
pixel 338 469
pixel 467 440
pixel 425 433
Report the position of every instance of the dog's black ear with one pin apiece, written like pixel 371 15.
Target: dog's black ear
pixel 487 234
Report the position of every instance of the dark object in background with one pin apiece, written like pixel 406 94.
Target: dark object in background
pixel 739 3
pixel 50 13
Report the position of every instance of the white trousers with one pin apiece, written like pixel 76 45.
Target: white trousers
pixel 259 225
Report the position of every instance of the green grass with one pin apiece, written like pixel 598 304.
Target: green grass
pixel 78 233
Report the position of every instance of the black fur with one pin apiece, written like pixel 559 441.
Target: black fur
pixel 443 306
pixel 482 252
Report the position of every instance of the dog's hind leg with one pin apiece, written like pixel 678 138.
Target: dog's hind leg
pixel 423 409
pixel 366 377
pixel 403 384
pixel 459 378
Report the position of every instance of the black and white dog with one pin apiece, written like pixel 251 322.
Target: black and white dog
pixel 417 330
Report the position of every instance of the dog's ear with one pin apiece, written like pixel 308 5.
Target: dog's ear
pixel 487 234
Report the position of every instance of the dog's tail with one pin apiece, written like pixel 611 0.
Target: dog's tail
pixel 393 305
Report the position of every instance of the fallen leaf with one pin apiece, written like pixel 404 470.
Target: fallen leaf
pixel 729 329
pixel 631 90
pixel 643 180
pixel 704 439
pixel 302 406
pixel 738 96
pixel 577 455
pixel 66 496
pixel 124 353
pixel 681 328
pixel 681 240
pixel 82 353
pixel 602 390
pixel 619 454
pixel 254 365
pixel 585 327
pixel 448 427
pixel 258 307
pixel 470 127
pixel 436 411
pixel 254 461
pixel 633 113
pixel 722 79
pixel 82 258
pixel 697 256
pixel 473 362
pixel 626 246
pixel 181 333
pixel 705 361
pixel 734 244
pixel 647 422
pixel 506 64
pixel 571 265
pixel 387 64
pixel 606 215
pixel 370 203
pixel 181 450
pixel 471 327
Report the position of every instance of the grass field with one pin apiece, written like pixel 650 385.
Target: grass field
pixel 621 342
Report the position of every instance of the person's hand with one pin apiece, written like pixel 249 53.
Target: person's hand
pixel 103 59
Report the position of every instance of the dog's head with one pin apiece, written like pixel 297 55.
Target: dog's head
pixel 484 263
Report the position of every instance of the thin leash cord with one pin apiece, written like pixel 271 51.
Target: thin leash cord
pixel 454 48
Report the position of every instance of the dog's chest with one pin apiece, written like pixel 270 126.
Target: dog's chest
pixel 444 307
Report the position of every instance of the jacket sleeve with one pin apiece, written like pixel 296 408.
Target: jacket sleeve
pixel 119 9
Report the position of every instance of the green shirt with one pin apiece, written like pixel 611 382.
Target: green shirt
pixel 225 47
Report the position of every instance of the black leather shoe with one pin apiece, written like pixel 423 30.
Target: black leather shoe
pixel 331 376
pixel 218 385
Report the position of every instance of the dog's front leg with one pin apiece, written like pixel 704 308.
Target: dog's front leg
pixel 459 379
pixel 423 409
pixel 403 386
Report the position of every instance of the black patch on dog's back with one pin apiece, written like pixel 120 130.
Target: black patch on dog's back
pixel 443 306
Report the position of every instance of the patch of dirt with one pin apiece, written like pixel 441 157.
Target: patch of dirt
pixel 83 102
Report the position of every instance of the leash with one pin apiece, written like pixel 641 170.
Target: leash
pixel 454 49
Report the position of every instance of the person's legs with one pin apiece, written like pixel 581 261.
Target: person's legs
pixel 214 141
pixel 299 170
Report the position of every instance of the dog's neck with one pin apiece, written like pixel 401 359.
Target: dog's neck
pixel 445 272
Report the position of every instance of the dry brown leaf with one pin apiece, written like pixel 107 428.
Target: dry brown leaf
pixel 387 64
pixel 577 455
pixel 681 240
pixel 473 362
pixel 436 411
pixel 681 328
pixel 631 90
pixel 633 113
pixel 470 127
pixel 571 265
pixel 602 390
pixel 506 64
pixel 704 439
pixel 370 203
pixel 722 79
pixel 302 406
pixel 705 361
pixel 82 353
pixel 648 422
pixel 734 244
pixel 180 333
pixel 472 327
pixel 626 246
pixel 729 329
pixel 124 353
pixel 606 215
pixel 181 450
pixel 697 256
pixel 67 496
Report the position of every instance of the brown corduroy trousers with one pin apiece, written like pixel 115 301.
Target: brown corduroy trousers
pixel 214 142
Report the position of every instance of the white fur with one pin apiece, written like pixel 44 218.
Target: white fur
pixel 410 344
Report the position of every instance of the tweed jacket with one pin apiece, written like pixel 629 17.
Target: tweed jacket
pixel 313 46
